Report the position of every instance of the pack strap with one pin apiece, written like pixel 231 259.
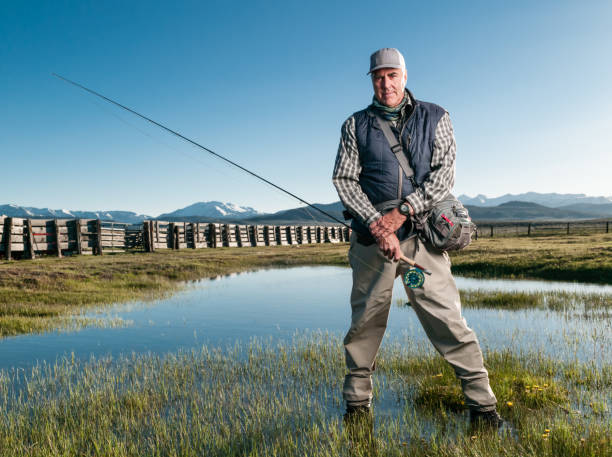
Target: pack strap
pixel 385 126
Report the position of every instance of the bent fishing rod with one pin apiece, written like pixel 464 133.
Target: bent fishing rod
pixel 231 162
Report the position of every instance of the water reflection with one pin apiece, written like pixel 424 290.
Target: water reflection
pixel 279 302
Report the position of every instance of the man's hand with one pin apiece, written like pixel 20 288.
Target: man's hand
pixel 390 246
pixel 387 224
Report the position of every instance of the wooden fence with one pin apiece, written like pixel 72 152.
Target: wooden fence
pixel 29 238
pixel 500 229
pixel 199 235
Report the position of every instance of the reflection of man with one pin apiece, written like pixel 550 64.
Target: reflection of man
pixel 381 198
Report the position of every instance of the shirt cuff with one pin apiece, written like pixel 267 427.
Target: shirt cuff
pixel 373 218
pixel 416 203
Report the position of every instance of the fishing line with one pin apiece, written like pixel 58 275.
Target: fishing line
pixel 199 146
pixel 417 272
pixel 156 139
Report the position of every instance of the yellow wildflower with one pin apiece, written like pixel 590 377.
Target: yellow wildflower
pixel 509 403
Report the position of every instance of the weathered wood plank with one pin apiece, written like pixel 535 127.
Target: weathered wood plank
pixel 44 222
pixel 52 247
pixel 15 238
pixel 30 244
pixel 116 239
pixel 15 230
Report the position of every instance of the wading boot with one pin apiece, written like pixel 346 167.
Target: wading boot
pixel 358 424
pixel 485 420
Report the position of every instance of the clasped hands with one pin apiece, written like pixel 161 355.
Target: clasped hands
pixel 383 229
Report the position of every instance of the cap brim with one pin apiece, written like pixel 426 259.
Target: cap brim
pixel 384 66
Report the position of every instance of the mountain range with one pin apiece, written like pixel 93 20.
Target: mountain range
pixel 527 206
pixel 551 200
pixel 46 213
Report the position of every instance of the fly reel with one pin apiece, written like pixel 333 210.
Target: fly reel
pixel 414 278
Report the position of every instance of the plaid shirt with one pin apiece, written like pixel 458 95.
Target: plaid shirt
pixel 439 182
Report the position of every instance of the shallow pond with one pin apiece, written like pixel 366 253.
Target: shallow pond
pixel 278 302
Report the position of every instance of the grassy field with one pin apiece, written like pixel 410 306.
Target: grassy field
pixel 583 258
pixel 38 295
pixel 281 399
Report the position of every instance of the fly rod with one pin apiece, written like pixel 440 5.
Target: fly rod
pixel 231 162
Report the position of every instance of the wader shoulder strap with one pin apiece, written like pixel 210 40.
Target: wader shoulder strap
pixel 395 146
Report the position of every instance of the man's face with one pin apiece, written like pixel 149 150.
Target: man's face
pixel 389 85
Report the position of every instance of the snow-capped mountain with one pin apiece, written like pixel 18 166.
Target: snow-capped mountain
pixel 46 213
pixel 552 200
pixel 212 209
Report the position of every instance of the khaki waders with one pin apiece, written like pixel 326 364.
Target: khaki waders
pixel 437 306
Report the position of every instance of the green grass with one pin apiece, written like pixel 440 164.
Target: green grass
pixel 583 258
pixel 283 399
pixel 588 305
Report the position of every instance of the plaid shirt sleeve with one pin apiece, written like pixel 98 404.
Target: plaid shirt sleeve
pixel 442 177
pixel 346 176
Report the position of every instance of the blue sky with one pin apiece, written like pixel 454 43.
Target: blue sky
pixel 527 85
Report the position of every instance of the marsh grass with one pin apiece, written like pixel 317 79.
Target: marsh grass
pixel 583 305
pixel 276 398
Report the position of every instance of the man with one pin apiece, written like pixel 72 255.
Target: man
pixel 381 199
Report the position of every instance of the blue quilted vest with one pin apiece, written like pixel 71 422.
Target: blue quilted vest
pixel 380 173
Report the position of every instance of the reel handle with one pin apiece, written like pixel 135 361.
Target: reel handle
pixel 414 264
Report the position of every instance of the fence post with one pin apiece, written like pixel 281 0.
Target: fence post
pixel 146 236
pixel 177 244
pixel 529 229
pixel 154 239
pixel 58 247
pixel 8 233
pixel 30 239
pixel 170 235
pixel 491 231
pixel 607 226
pixel 568 228
pixel 195 236
pixel 77 229
pixel 99 237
